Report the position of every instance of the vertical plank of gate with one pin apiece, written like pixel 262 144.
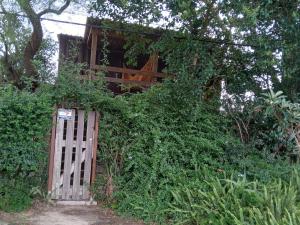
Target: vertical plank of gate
pixel 68 157
pixel 95 147
pixel 51 153
pixel 57 158
pixel 77 164
pixel 88 154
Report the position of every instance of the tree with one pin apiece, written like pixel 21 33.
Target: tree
pixel 195 21
pixel 11 46
pixel 249 45
pixel 34 10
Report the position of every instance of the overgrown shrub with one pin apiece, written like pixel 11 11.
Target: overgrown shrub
pixel 155 138
pixel 25 121
pixel 166 143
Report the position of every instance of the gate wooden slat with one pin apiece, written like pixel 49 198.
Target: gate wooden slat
pixel 68 157
pixel 88 154
pixel 51 153
pixel 94 155
pixel 57 158
pixel 72 169
pixel 78 156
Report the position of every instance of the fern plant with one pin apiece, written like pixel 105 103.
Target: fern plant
pixel 228 201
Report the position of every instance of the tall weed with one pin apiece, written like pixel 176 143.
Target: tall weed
pixel 228 201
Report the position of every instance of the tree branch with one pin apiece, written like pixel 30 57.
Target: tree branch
pixel 56 11
pixel 2 7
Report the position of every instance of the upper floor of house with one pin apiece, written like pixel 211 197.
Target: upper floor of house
pixel 103 48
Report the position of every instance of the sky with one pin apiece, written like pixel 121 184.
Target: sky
pixel 52 29
pixel 55 28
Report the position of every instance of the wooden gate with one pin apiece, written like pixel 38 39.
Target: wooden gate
pixel 72 161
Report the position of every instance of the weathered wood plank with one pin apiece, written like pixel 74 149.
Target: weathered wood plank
pixel 88 154
pixel 95 145
pixel 130 71
pixel 78 156
pixel 68 156
pixel 94 49
pixel 57 158
pixel 119 80
pixel 73 167
pixel 129 82
pixel 74 144
pixel 51 153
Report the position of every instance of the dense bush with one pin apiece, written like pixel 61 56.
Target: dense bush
pixel 15 194
pixel 165 154
pixel 154 139
pixel 163 146
pixel 25 119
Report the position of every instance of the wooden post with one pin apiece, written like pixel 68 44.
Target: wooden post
pixel 95 147
pixel 88 154
pixel 57 158
pixel 51 153
pixel 94 49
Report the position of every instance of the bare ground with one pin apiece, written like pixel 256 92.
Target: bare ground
pixel 65 215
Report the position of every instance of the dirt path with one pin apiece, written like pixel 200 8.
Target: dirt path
pixel 65 215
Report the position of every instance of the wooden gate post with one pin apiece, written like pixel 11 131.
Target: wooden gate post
pixel 95 148
pixel 51 152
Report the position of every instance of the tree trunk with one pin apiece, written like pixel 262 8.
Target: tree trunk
pixel 34 44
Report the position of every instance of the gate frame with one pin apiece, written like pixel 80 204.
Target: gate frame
pixel 51 148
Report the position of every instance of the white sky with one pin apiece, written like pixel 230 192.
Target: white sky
pixel 52 29
pixel 55 28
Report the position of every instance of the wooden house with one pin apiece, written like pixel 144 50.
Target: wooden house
pixel 90 50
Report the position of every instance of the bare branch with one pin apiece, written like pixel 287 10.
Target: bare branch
pixel 56 11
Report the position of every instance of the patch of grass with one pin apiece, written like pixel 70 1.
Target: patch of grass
pixel 14 195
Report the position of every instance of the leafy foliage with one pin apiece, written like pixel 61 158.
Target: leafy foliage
pixel 25 120
pixel 284 118
pixel 14 194
pixel 166 153
pixel 237 202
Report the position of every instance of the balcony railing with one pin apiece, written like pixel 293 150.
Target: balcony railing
pixel 145 77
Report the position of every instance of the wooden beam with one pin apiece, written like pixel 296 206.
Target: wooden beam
pixel 111 35
pixel 129 71
pixel 57 158
pixel 95 148
pixel 94 49
pixel 51 153
pixel 88 154
pixel 119 80
pixel 133 82
pixel 89 36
